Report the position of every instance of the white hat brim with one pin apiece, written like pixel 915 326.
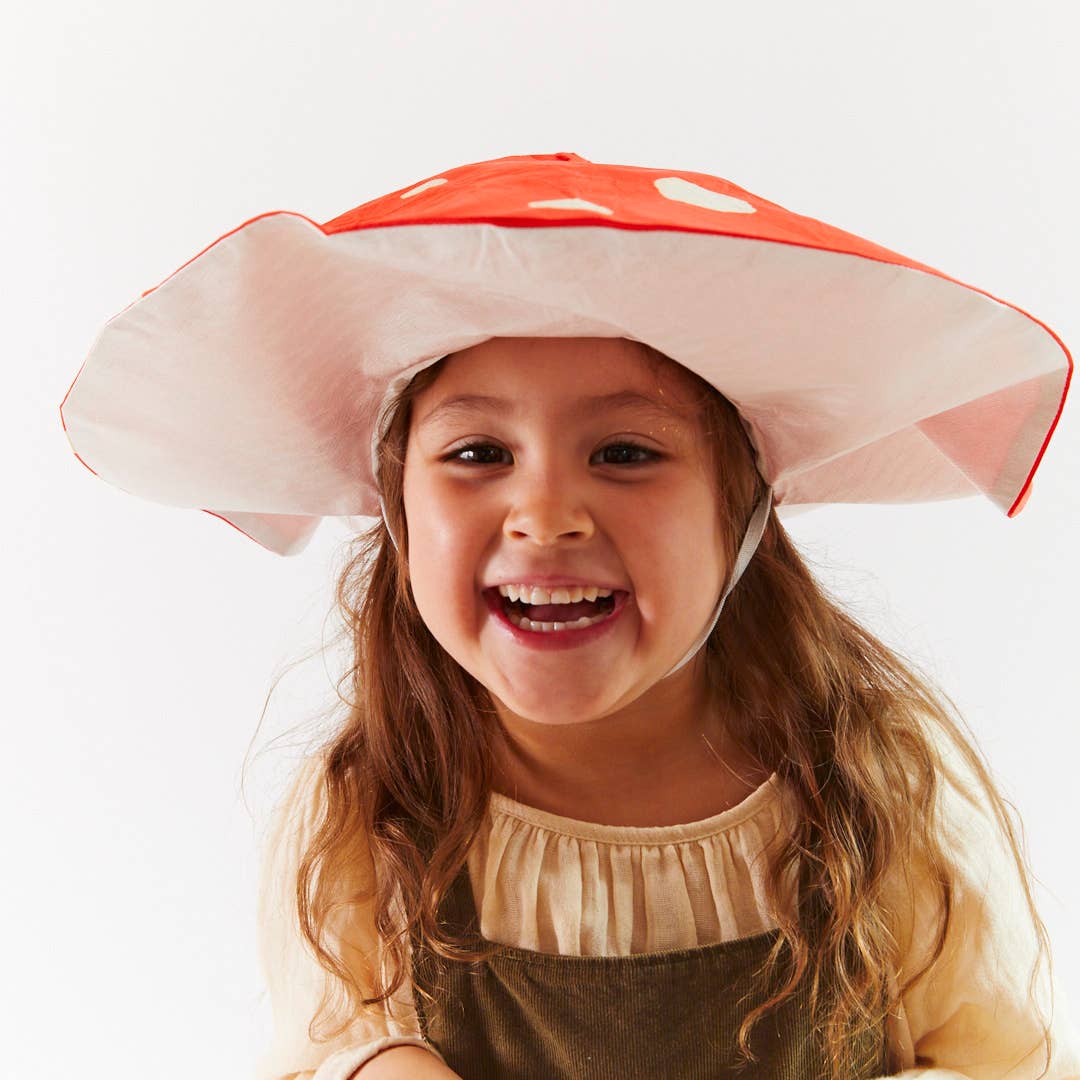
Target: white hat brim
pixel 251 379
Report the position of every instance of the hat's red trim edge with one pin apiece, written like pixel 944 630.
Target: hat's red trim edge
pixel 225 236
pixel 1025 491
pixel 241 531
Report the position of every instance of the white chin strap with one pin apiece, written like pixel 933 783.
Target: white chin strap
pixel 750 543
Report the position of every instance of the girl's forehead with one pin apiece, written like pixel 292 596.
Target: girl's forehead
pixel 562 369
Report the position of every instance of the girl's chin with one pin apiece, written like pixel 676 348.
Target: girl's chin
pixel 540 699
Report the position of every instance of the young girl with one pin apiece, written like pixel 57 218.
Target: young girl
pixel 620 791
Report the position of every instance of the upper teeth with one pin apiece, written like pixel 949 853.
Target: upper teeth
pixel 532 594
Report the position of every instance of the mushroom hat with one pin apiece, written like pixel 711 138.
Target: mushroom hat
pixel 252 382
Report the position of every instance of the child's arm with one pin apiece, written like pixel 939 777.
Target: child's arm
pixel 971 1017
pixel 404 1063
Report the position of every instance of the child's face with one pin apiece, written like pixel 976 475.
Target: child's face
pixel 545 497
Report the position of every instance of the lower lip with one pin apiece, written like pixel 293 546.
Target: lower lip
pixel 555 639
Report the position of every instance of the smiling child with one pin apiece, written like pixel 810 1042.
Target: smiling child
pixel 619 790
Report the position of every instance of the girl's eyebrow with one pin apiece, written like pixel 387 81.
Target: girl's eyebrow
pixel 465 404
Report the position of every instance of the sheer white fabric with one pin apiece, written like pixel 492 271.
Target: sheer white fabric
pixel 556 885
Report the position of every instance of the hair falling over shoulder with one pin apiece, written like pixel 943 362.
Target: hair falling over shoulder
pixel 849 725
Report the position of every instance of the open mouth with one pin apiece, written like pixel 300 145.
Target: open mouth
pixel 556 618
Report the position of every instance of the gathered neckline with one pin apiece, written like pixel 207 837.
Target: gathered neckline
pixel 760 797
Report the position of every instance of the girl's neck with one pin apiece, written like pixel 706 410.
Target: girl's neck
pixel 680 770
pixel 693 799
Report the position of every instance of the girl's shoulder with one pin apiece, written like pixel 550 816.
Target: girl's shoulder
pixel 987 879
pixel 296 809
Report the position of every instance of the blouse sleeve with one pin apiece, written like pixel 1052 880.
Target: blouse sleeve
pixel 294 978
pixel 971 1017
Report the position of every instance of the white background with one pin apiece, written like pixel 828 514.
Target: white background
pixel 143 639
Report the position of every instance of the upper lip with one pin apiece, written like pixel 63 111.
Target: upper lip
pixel 554 581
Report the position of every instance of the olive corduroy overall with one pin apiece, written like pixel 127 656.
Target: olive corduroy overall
pixel 673 1015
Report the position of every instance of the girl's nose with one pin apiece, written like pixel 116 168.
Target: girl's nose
pixel 547 515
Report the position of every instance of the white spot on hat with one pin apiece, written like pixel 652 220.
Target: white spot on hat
pixel 570 204
pixel 679 190
pixel 423 187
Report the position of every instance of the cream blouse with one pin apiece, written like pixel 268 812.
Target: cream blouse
pixel 556 885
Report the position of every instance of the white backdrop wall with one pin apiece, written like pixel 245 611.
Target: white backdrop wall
pixel 142 639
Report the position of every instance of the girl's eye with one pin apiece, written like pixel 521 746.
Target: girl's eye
pixel 634 448
pixel 476 447
pixel 472 448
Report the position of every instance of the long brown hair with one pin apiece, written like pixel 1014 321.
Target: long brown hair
pixel 850 726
